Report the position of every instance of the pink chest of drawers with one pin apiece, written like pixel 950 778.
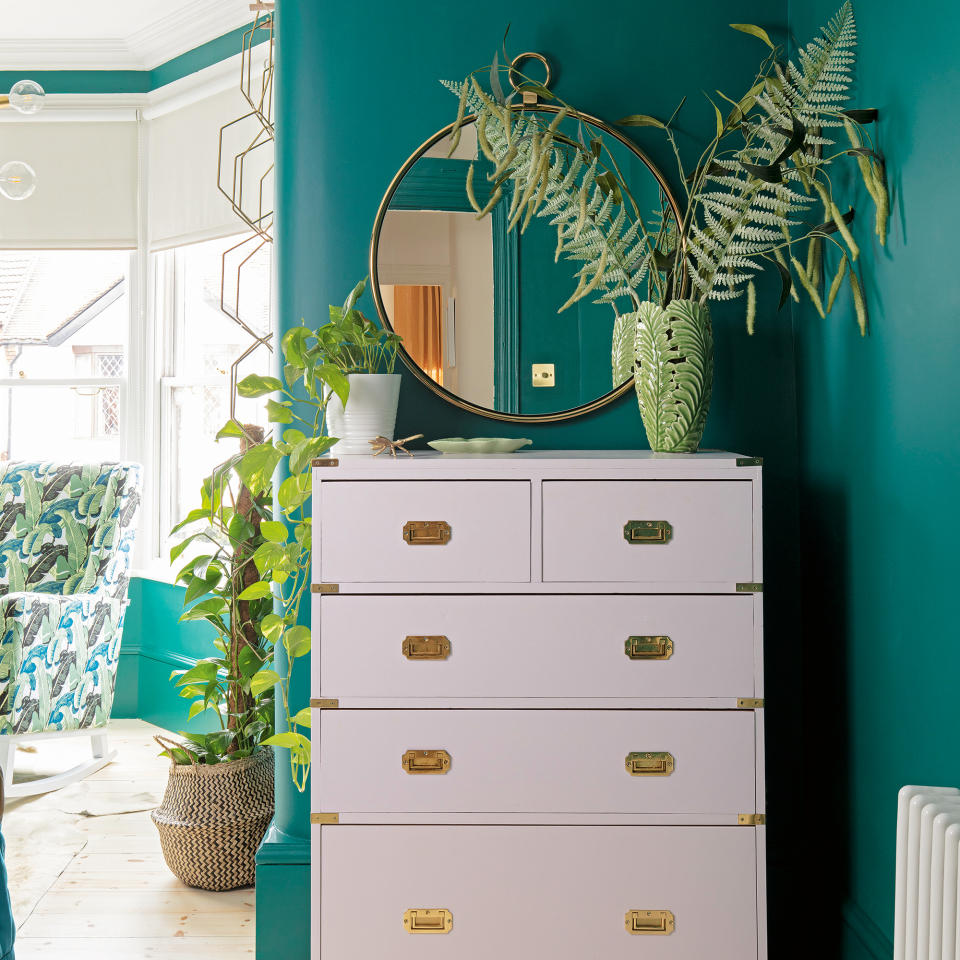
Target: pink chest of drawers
pixel 538 724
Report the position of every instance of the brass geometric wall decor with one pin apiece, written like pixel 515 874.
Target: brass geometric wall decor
pixel 245 163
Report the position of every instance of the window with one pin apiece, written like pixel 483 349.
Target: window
pixel 64 321
pixel 99 364
pixel 201 344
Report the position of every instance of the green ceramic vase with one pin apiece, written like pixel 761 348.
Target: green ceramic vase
pixel 674 373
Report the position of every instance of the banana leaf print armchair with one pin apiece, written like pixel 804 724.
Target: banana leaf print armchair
pixel 66 542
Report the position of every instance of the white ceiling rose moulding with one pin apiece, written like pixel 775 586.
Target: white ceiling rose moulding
pixel 152 45
pixel 89 107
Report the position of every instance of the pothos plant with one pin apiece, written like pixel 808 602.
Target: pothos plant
pixel 750 201
pixel 316 364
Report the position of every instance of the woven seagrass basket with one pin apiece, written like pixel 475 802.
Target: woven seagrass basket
pixel 213 818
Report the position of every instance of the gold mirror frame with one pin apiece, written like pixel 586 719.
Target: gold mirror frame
pixel 432 385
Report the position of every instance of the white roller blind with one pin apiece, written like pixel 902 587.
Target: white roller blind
pixel 184 202
pixel 87 184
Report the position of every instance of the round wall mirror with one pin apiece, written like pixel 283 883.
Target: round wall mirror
pixel 477 304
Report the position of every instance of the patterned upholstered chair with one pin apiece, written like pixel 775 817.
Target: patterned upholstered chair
pixel 66 541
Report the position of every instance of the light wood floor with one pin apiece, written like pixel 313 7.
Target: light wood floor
pixel 86 873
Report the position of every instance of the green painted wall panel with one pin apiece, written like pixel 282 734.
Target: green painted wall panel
pixel 342 134
pixel 880 458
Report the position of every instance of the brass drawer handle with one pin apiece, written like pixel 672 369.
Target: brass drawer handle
pixel 649 648
pixel 426 648
pixel 647 531
pixel 426 761
pixel 428 920
pixel 650 921
pixel 425 532
pixel 650 764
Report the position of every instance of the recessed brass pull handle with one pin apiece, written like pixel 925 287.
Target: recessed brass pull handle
pixel 426 761
pixel 647 531
pixel 649 648
pixel 426 532
pixel 650 921
pixel 426 648
pixel 650 764
pixel 428 920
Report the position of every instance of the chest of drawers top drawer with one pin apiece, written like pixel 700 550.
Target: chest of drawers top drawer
pixel 523 523
pixel 407 531
pixel 647 530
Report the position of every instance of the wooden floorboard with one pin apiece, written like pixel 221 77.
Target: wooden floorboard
pixel 86 872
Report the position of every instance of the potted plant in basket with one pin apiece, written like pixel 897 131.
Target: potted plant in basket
pixel 219 797
pixel 761 194
pixel 254 601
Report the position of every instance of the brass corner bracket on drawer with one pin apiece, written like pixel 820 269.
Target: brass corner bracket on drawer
pixel 649 648
pixel 325 704
pixel 749 461
pixel 325 462
pixel 749 588
pixel 650 764
pixel 428 920
pixel 427 532
pixel 324 818
pixel 750 703
pixel 647 531
pixel 654 922
pixel 751 819
pixel 426 761
pixel 426 648
pixel 325 588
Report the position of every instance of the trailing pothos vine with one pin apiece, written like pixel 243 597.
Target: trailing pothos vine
pixel 263 593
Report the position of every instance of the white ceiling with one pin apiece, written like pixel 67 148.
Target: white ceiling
pixel 112 34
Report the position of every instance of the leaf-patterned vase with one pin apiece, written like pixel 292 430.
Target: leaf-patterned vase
pixel 674 373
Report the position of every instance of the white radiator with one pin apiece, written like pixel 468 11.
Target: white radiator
pixel 927 906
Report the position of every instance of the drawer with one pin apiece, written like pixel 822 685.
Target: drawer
pixel 710 538
pixel 557 892
pixel 363 538
pixel 535 761
pixel 565 647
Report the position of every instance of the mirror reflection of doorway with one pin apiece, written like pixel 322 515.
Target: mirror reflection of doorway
pixel 415 311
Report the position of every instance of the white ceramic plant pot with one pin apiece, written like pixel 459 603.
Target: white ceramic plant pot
pixel 371 412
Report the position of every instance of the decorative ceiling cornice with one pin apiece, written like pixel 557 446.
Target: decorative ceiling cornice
pixel 147 48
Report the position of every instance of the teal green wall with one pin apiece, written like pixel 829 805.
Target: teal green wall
pixel 134 81
pixel 358 91
pixel 880 464
pixel 154 644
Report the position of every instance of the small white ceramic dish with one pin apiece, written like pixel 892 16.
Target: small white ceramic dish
pixel 478 445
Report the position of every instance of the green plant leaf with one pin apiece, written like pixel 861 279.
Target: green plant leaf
pixel 272 627
pixel 296 640
pixel 640 120
pixel 257 466
pixel 335 379
pixel 204 672
pixel 256 591
pixel 294 491
pixel 302 718
pixel 263 680
pixel 254 385
pixel 274 531
pixel 623 358
pixel 279 412
pixel 754 31
pixel 230 429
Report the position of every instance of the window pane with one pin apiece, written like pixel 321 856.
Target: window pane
pixel 60 423
pixel 63 313
pixel 211 341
